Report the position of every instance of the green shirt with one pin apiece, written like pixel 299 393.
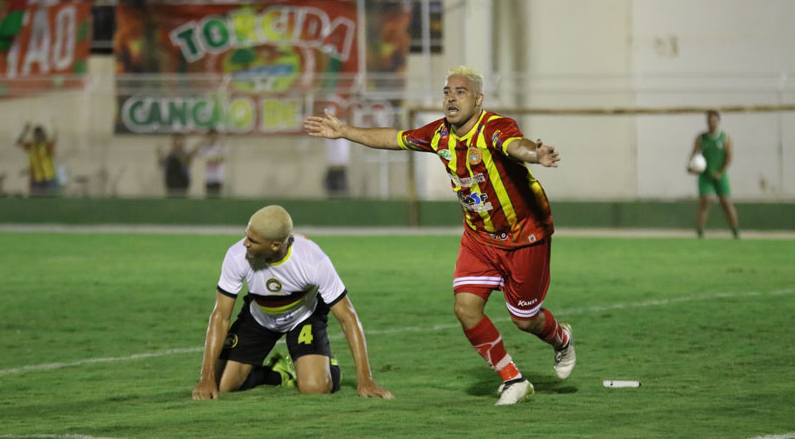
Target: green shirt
pixel 713 149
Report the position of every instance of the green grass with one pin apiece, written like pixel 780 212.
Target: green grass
pixel 704 324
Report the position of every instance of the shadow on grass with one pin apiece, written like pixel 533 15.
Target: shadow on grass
pixel 485 382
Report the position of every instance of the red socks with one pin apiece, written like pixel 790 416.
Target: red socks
pixel 553 333
pixel 488 342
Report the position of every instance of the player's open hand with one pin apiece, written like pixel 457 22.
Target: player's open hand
pixel 326 126
pixel 205 390
pixel 371 389
pixel 547 156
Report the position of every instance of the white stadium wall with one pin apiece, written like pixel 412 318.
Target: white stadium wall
pixel 733 52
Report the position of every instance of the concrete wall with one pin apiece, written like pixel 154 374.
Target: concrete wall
pixel 733 52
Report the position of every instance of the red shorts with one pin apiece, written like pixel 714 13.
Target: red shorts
pixel 522 274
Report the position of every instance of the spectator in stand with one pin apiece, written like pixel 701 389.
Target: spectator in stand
pixel 213 151
pixel 41 155
pixel 176 166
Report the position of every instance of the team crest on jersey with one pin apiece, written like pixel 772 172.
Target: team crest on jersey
pixel 273 285
pixel 230 341
pixel 409 141
pixel 443 131
pixel 445 154
pixel 474 156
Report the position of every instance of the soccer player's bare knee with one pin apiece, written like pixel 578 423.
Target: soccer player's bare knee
pixel 313 374
pixel 315 385
pixel 533 325
pixel 468 309
pixel 233 377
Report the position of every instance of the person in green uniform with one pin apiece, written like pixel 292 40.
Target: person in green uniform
pixel 716 147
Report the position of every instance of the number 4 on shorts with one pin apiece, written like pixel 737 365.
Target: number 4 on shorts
pixel 305 336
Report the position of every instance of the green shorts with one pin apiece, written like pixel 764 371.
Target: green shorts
pixel 708 185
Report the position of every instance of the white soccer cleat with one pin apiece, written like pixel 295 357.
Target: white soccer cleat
pixel 566 357
pixel 515 392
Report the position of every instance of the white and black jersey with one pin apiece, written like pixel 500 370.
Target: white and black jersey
pixel 286 292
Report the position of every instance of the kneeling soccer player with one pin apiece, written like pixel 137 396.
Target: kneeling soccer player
pixel 292 286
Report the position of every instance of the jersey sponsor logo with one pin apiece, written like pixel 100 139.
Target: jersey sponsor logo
pixel 273 285
pixel 475 202
pixel 474 156
pixel 467 181
pixel 445 154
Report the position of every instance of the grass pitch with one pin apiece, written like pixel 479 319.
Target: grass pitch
pixel 101 336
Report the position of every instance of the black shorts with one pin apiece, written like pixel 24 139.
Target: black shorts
pixel 248 342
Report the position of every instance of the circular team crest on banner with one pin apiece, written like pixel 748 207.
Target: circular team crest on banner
pixel 474 156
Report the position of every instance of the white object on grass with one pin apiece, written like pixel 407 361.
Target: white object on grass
pixel 620 383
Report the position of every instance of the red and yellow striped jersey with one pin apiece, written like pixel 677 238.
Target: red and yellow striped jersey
pixel 504 205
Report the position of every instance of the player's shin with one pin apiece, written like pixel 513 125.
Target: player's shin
pixel 552 332
pixel 486 339
pixel 336 375
pixel 261 375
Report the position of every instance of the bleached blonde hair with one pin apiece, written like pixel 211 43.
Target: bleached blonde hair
pixel 272 223
pixel 475 77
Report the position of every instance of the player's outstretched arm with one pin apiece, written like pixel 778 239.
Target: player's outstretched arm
pixel 534 152
pixel 352 328
pixel 330 127
pixel 207 388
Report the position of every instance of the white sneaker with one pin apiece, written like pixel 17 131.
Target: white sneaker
pixel 515 392
pixel 566 357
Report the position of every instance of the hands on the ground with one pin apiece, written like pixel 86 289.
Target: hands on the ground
pixel 205 390
pixel 371 389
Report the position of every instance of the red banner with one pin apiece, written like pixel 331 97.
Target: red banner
pixel 252 68
pixel 49 48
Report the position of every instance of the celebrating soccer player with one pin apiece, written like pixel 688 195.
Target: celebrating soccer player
pixel 507 221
